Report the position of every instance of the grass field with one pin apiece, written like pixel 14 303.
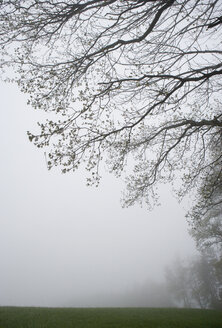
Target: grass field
pixel 24 317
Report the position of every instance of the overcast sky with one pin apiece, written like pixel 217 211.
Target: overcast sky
pixel 61 241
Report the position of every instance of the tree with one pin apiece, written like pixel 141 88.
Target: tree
pixel 203 280
pixel 178 283
pixel 194 283
pixel 134 81
pixel 206 215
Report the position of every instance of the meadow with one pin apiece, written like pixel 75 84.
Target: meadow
pixel 33 317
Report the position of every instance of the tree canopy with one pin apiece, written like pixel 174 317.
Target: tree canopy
pixel 206 215
pixel 133 82
pixel 195 283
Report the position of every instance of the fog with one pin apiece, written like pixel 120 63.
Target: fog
pixel 65 244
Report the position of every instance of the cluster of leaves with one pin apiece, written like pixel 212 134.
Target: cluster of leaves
pixel 137 81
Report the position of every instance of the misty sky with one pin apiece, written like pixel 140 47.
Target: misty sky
pixel 61 242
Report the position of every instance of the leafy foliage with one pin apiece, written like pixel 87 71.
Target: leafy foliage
pixel 206 215
pixel 133 81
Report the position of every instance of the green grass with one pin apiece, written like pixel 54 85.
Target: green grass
pixel 24 317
